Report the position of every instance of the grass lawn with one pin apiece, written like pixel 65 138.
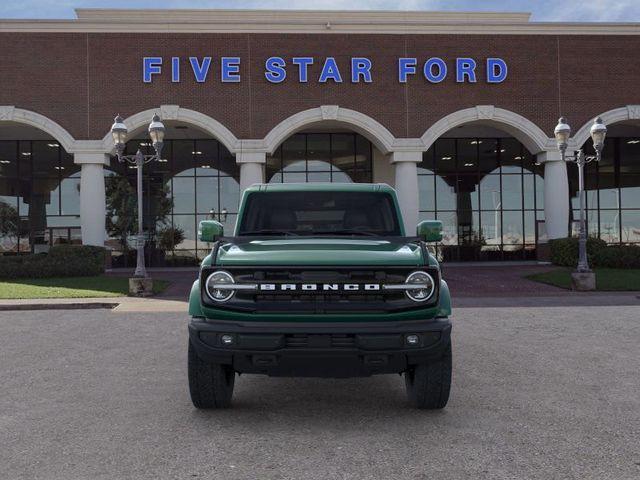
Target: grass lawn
pixel 607 279
pixel 72 287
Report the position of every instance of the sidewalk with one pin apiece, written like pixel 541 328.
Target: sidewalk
pixel 116 304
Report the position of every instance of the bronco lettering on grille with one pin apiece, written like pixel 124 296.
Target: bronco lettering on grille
pixel 314 287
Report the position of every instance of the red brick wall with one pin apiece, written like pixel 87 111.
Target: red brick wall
pixel 82 80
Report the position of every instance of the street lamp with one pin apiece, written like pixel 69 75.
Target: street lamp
pixel 222 216
pixel 119 133
pixel 562 133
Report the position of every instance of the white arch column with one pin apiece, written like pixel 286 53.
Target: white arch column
pixel 251 168
pixel 93 203
pixel 556 194
pixel 406 185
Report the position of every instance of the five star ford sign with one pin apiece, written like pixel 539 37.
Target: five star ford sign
pixel 305 69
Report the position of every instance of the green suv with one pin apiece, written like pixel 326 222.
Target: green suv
pixel 319 280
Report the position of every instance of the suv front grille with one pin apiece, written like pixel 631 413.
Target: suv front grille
pixel 319 300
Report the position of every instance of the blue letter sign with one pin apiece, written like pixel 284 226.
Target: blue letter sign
pixel 175 69
pixel 151 66
pixel 406 66
pixel 303 66
pixel 330 71
pixel 275 69
pixel 434 69
pixel 465 67
pixel 496 70
pixel 200 71
pixel 360 67
pixel 440 65
pixel 230 71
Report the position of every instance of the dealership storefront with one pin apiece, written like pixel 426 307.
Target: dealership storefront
pixel 455 111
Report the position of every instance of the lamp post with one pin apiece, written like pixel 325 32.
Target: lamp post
pixel 119 133
pixel 562 133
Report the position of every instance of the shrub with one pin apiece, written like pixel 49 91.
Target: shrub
pixel 61 261
pixel 564 251
pixel 169 237
pixel 618 256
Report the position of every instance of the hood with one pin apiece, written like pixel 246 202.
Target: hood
pixel 320 251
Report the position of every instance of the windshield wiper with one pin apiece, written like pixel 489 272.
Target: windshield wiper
pixel 269 231
pixel 348 232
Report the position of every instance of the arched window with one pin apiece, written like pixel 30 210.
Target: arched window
pixel 200 178
pixel 612 188
pixel 488 192
pixel 321 157
pixel 39 195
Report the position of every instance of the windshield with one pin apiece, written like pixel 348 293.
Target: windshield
pixel 319 213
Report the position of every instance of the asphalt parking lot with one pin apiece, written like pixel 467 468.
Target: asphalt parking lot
pixel 538 393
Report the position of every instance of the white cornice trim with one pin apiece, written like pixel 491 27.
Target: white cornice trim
pixel 297 16
pixel 302 21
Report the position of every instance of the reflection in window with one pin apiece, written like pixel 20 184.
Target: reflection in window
pixel 612 191
pixel 321 157
pixel 39 196
pixel 489 194
pixel 202 180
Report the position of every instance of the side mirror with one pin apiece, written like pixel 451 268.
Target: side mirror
pixel 210 230
pixel 430 230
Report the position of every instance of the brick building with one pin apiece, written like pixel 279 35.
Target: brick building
pixel 456 110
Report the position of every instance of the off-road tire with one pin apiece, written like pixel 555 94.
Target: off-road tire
pixel 428 384
pixel 210 384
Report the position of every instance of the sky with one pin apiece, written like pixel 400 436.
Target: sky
pixel 542 10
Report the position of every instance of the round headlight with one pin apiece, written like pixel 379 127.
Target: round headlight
pixel 427 286
pixel 215 286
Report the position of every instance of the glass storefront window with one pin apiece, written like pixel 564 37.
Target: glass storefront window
pixel 319 152
pixel 445 156
pixel 630 225
pixel 512 192
pixel 321 157
pixel 612 191
pixel 488 192
pixel 199 178
pixel 426 187
pixel 39 195
pixel 610 225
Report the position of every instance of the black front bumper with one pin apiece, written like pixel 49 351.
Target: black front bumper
pixel 319 349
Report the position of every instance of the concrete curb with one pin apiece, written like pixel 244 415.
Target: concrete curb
pixel 57 306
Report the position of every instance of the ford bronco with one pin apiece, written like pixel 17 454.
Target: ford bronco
pixel 319 280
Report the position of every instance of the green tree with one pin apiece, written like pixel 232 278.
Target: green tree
pixel 122 209
pixel 9 221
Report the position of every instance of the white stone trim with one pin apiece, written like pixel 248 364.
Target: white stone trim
pixel 406 156
pixel 10 113
pixel 531 136
pixel 556 198
pixel 92 197
pixel 177 113
pixel 251 169
pixel 406 185
pixel 267 16
pixel 308 21
pixel 629 112
pixel 382 138
pixel 549 156
pixel 251 157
